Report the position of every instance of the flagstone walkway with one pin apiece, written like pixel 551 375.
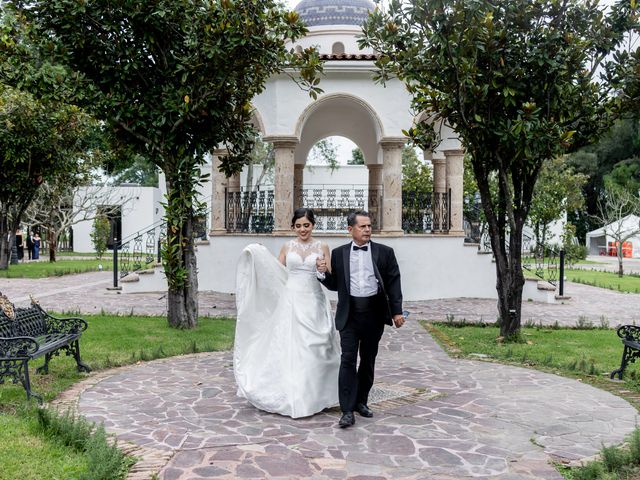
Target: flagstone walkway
pixel 435 417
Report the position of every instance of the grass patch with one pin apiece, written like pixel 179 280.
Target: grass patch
pixel 586 350
pixel 596 278
pixel 44 268
pixel 29 450
pixel 26 454
pixel 105 255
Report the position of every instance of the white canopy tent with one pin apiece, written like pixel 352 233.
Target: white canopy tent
pixel 600 241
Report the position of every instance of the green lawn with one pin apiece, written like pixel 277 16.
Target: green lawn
pixel 27 455
pixel 109 341
pixel 596 278
pixel 44 268
pixel 569 351
pixel 610 280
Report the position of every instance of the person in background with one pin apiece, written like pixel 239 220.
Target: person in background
pixel 30 244
pixel 19 245
pixel 36 247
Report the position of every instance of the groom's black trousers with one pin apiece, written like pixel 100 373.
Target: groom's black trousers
pixel 362 332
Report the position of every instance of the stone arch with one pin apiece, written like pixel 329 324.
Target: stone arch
pixel 337 48
pixel 256 120
pixel 340 114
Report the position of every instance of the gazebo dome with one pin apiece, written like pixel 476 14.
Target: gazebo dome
pixel 334 12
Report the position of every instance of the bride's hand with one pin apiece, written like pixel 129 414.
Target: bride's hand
pixel 321 264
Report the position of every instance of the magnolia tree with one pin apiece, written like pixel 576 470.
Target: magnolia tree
pixel 37 142
pixel 517 80
pixel 173 80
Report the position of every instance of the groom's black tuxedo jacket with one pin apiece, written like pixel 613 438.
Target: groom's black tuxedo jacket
pixel 385 267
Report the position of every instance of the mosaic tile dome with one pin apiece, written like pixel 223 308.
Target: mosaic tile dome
pixel 334 12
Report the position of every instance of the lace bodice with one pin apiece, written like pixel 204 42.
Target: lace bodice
pixel 301 257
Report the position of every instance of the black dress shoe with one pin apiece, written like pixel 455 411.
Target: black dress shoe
pixel 347 420
pixel 363 410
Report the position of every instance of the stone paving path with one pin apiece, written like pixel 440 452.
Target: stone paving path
pixel 87 293
pixel 437 418
pixel 452 419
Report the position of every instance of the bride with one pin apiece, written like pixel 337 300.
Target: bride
pixel 286 352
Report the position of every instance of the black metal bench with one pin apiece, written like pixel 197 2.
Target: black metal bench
pixel 630 336
pixel 28 333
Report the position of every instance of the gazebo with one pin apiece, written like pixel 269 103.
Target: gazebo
pixel 426 232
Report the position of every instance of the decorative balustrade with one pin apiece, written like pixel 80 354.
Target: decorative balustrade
pixel 140 250
pixel 249 211
pixel 143 248
pixel 425 212
pixel 332 203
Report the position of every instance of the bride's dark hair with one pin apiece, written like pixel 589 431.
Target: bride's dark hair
pixel 303 212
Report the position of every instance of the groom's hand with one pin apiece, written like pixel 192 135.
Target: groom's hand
pixel 398 320
pixel 321 265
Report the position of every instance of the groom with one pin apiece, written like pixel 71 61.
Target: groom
pixel 367 278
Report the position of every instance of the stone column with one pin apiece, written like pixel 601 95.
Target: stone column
pixel 392 184
pixel 375 194
pixel 298 182
pixel 218 198
pixel 283 149
pixel 455 169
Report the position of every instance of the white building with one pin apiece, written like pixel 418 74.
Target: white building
pixel 133 208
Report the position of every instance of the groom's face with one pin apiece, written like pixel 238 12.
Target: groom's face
pixel 361 231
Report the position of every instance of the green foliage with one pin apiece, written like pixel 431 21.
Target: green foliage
pixel 100 234
pixel 557 191
pixel 324 151
pixel 38 141
pixel 105 461
pixel 172 80
pixel 518 81
pixel 27 454
pixel 140 171
pixel 620 146
pixel 417 176
pixel 357 157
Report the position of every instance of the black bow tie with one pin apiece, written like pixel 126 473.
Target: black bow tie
pixel 364 249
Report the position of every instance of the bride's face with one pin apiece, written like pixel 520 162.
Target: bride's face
pixel 303 228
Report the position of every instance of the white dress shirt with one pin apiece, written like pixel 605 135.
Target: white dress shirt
pixel 363 282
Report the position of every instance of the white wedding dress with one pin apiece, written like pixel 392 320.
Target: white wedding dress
pixel 287 351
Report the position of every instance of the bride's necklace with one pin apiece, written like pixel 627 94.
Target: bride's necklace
pixel 304 246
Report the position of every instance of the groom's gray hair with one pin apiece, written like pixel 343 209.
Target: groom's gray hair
pixel 351 218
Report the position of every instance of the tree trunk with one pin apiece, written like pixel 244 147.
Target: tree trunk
pixel 5 245
pixel 620 267
pixel 53 244
pixel 509 284
pixel 179 259
pixel 183 299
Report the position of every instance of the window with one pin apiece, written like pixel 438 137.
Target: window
pixel 337 48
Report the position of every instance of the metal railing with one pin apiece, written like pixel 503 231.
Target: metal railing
pixel 143 248
pixel 543 261
pixel 426 212
pixel 249 211
pixel 252 210
pixel 332 203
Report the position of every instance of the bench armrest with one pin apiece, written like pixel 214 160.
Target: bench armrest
pixel 15 347
pixel 629 332
pixel 65 325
